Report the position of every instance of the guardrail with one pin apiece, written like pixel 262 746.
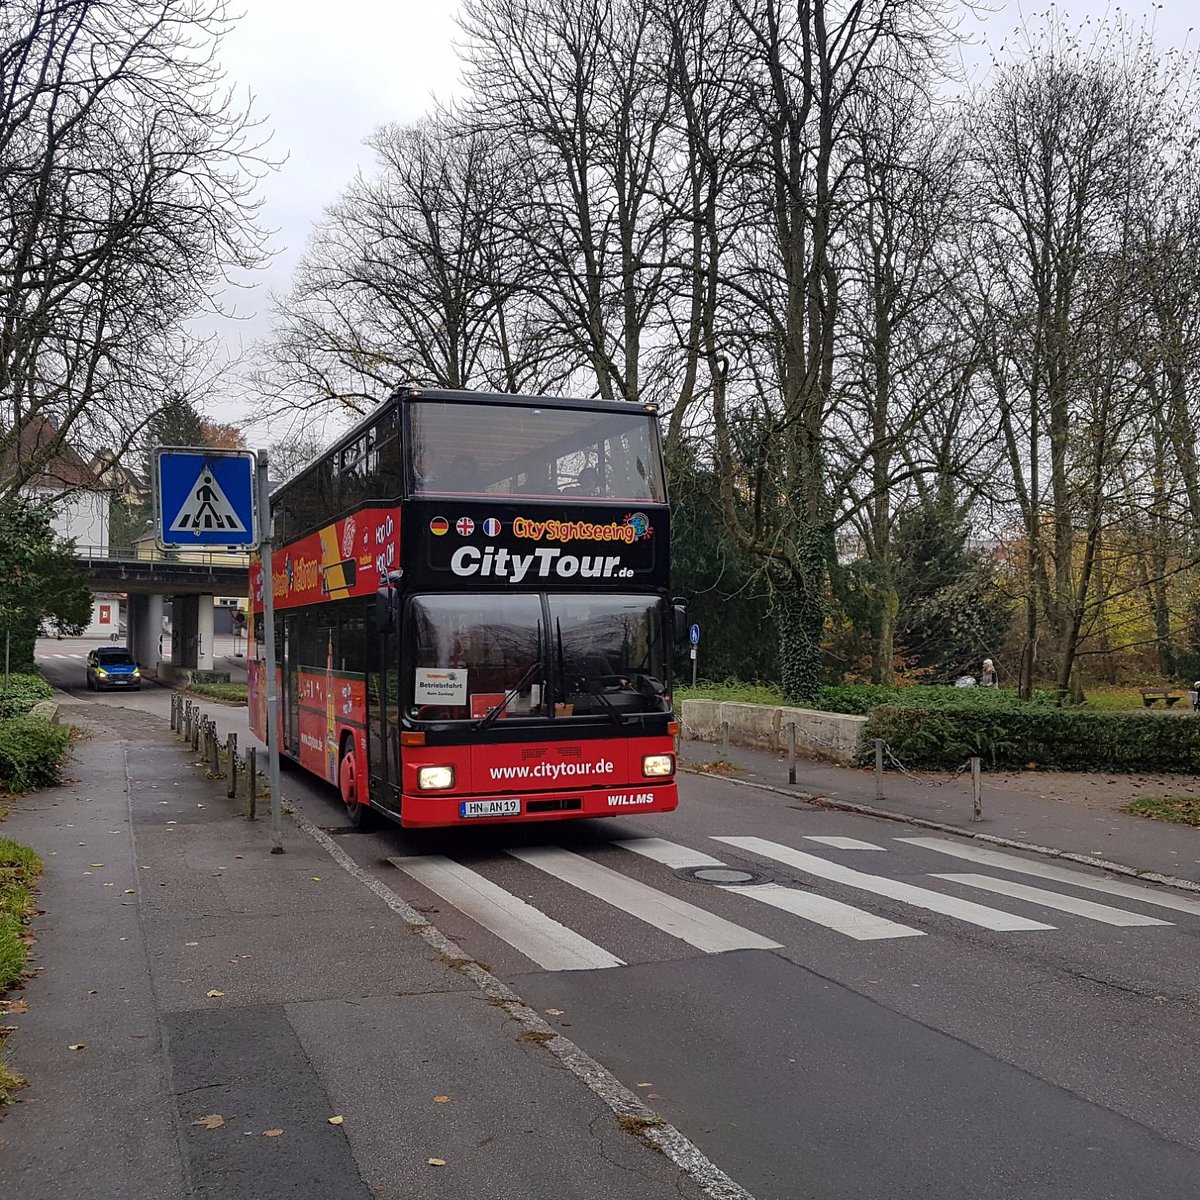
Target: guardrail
pixel 229 560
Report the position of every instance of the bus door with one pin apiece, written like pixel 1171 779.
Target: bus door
pixel 291 688
pixel 383 721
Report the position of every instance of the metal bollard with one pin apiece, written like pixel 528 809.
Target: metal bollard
pixel 251 782
pixel 791 752
pixel 215 749
pixel 174 709
pixel 196 732
pixel 725 738
pixel 879 768
pixel 976 785
pixel 231 750
pixel 186 723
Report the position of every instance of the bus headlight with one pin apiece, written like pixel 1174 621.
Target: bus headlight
pixel 658 764
pixel 435 779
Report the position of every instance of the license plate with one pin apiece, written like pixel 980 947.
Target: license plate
pixel 489 808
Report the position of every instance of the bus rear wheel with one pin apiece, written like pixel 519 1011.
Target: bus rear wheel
pixel 349 784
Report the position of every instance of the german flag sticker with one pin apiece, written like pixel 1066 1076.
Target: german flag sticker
pixel 438 526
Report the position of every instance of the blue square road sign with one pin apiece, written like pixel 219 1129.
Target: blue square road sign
pixel 205 498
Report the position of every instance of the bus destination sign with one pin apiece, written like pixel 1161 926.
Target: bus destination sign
pixel 527 548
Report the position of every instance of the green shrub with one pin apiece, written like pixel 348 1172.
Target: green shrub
pixel 23 692
pixel 860 698
pixel 1009 735
pixel 31 753
pixel 233 692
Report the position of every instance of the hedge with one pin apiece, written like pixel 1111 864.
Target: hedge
pixel 23 692
pixel 860 698
pixel 1009 735
pixel 31 753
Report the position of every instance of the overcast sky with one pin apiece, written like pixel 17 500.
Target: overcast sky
pixel 324 76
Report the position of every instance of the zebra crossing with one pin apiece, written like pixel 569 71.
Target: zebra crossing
pixel 547 940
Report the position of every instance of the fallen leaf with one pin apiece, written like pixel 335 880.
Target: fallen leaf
pixel 239 856
pixel 97 864
pixel 653 1096
pixel 14 1006
pixel 214 993
pixel 316 879
pixel 131 891
pixel 77 1046
pixel 645 1085
pixel 272 1132
pixel 436 1162
pixel 336 1120
pixel 212 1121
pixel 191 943
pixel 441 1099
pixel 554 1012
pixel 92 992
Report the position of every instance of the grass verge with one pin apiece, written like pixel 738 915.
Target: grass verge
pixel 1182 810
pixel 19 869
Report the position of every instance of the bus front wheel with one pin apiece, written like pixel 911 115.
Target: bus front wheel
pixel 349 784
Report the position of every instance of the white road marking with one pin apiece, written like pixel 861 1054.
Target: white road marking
pixel 906 893
pixel 690 924
pixel 670 854
pixel 1067 904
pixel 1010 862
pixel 842 843
pixel 821 910
pixel 539 937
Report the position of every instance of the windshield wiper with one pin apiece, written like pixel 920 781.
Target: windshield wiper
pixel 493 714
pixel 592 689
pixel 538 664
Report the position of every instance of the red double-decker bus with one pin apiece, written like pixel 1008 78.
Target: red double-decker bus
pixel 472 612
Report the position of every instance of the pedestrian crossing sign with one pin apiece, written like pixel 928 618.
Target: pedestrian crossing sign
pixel 205 498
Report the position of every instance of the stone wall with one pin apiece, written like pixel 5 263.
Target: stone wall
pixel 765 727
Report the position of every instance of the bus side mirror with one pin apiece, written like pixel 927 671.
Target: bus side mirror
pixel 679 608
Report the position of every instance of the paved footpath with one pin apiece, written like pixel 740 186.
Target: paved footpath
pixel 1071 813
pixel 204 977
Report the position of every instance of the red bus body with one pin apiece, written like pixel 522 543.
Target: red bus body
pixel 375 602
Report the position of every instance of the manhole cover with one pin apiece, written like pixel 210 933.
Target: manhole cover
pixel 723 875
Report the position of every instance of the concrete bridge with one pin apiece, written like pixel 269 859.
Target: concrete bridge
pixel 192 579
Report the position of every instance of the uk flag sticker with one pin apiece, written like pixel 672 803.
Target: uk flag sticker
pixel 491 527
pixel 465 526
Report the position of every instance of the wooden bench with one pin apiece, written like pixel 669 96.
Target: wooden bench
pixel 1168 696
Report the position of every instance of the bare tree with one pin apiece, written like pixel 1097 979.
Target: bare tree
pixel 1066 137
pixel 127 177
pixel 413 278
pixel 577 89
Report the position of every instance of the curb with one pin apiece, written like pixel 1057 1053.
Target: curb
pixel 867 810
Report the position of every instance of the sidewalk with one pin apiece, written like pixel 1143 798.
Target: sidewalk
pixel 1078 814
pixel 205 978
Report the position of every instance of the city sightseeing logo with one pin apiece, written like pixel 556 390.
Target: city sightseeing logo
pixel 636 527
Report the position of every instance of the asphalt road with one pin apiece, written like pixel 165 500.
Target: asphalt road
pixel 878 1017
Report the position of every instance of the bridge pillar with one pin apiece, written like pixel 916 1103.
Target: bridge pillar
pixel 144 631
pixel 184 621
pixel 204 633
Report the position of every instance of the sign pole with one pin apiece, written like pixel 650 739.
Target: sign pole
pixel 265 549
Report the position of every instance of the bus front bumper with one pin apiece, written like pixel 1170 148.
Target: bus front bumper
pixel 424 810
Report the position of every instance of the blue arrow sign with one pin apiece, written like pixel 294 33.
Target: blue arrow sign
pixel 204 498
pixel 695 635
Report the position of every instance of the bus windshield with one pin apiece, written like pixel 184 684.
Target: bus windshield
pixel 603 656
pixel 509 450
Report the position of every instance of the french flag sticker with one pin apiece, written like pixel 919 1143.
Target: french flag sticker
pixel 465 526
pixel 491 527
